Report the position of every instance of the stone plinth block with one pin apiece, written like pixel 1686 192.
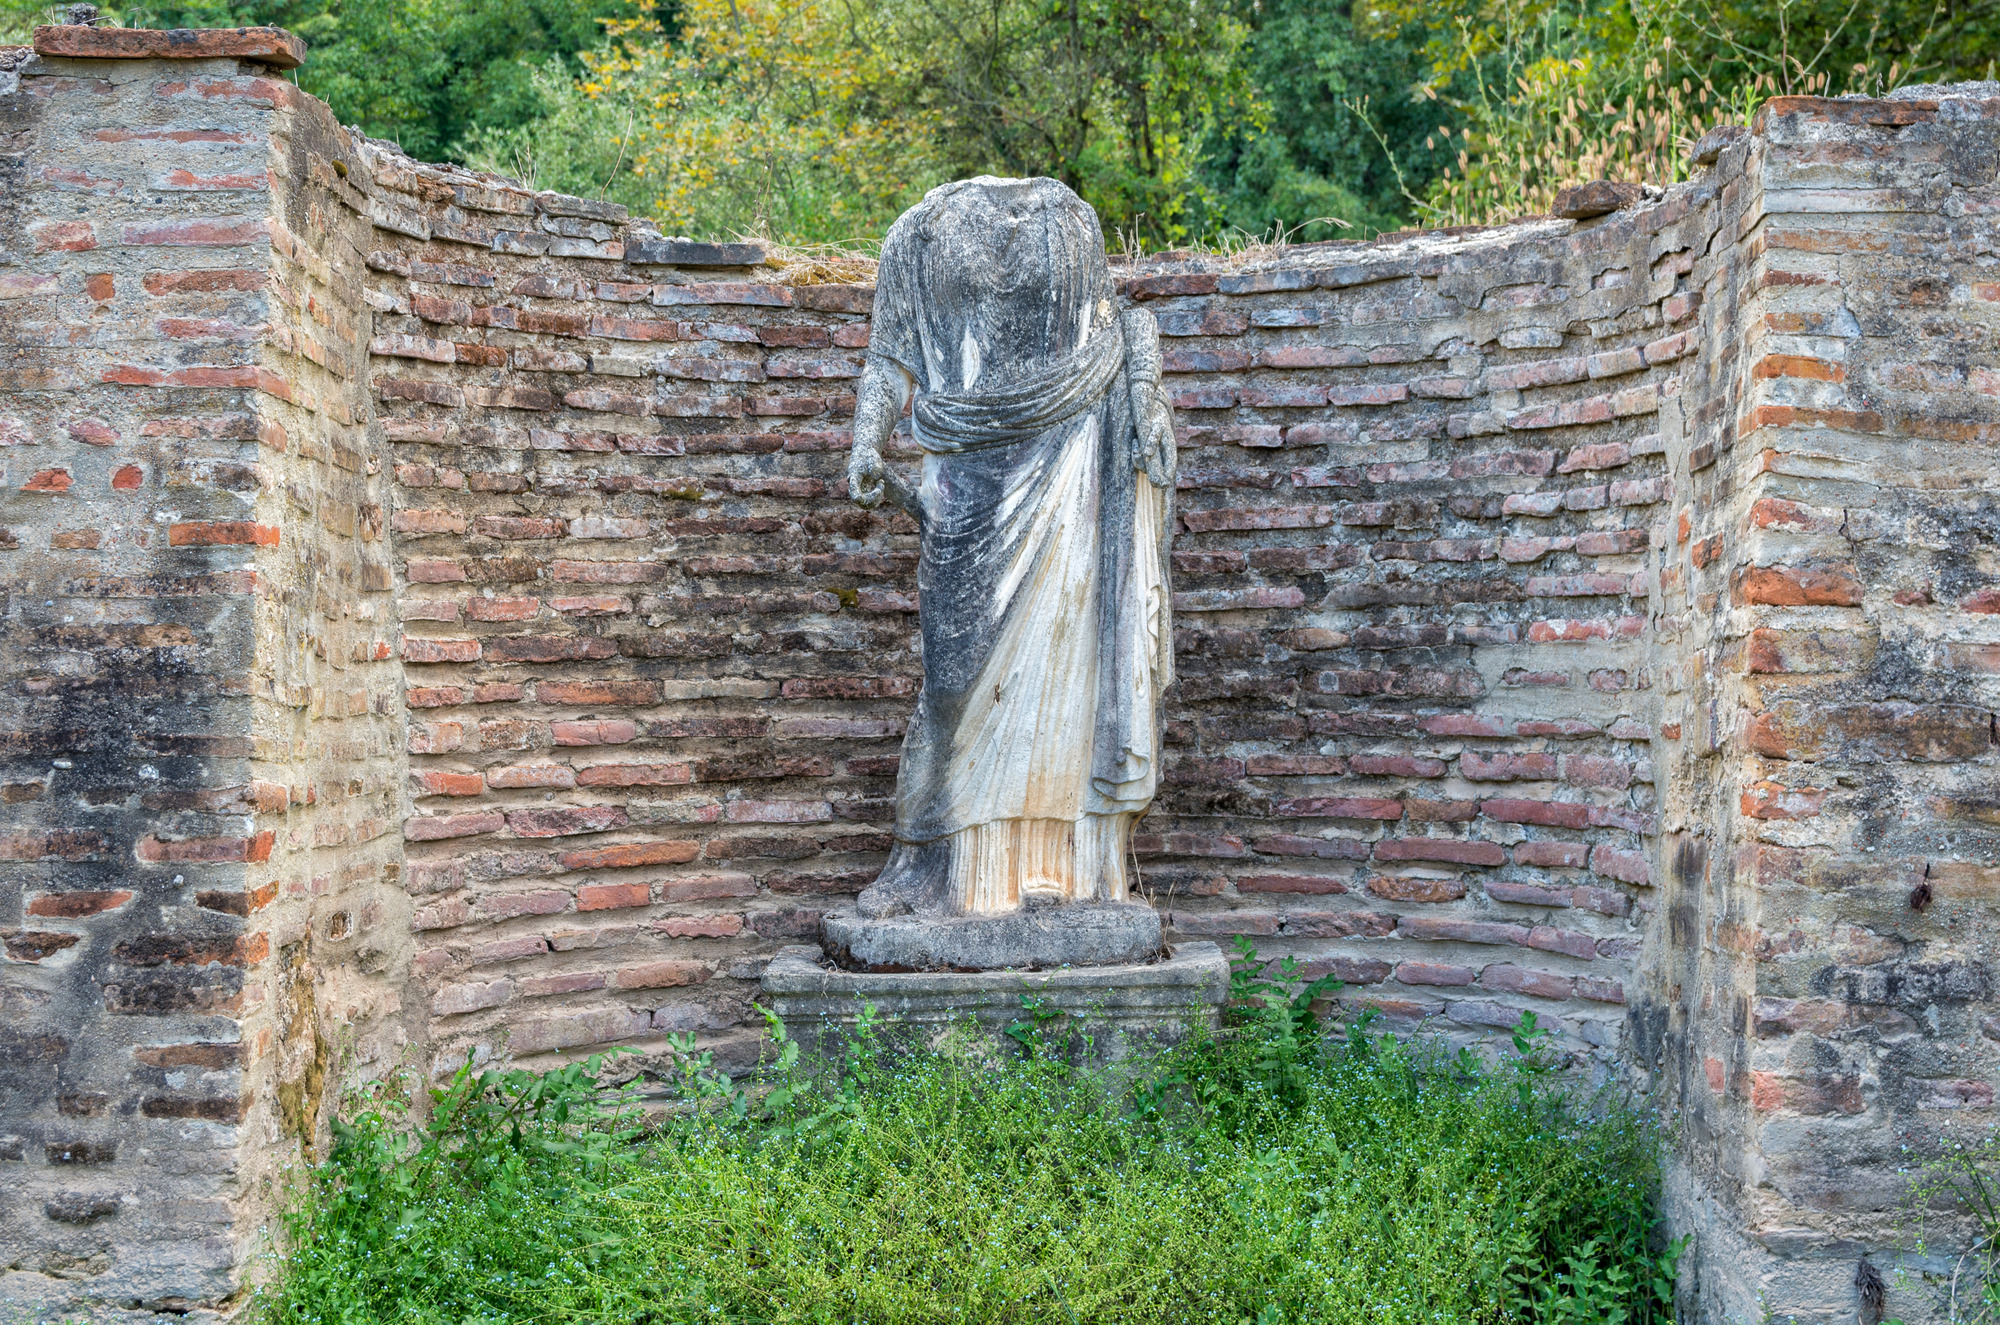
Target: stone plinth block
pixel 1037 936
pixel 647 250
pixel 272 46
pixel 1599 197
pixel 1110 1012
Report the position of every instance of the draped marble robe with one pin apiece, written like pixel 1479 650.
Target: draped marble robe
pixel 1045 509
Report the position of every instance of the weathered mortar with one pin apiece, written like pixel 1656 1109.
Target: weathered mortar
pixel 1518 570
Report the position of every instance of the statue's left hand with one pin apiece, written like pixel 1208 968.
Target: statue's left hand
pixel 866 476
pixel 1152 412
pixel 1158 454
pixel 878 400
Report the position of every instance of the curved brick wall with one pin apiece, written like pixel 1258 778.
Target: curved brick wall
pixel 435 624
pixel 658 666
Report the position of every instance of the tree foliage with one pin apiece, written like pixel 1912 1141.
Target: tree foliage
pixel 1182 121
pixel 422 73
pixel 1308 152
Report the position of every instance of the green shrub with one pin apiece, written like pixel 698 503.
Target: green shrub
pixel 1954 1200
pixel 1264 1175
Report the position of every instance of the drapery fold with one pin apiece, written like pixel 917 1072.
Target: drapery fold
pixel 1047 397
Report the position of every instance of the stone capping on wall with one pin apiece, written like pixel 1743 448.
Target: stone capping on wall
pixel 272 46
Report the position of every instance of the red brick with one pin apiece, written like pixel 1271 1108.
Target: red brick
pixel 1338 924
pixel 1434 973
pixel 635 775
pixel 518 527
pixel 1446 929
pixel 613 896
pixel 568 982
pixel 1316 884
pixel 1599 990
pixel 76 905
pixel 594 693
pixel 419 649
pixel 1156 287
pixel 432 697
pixel 1397 889
pixel 431 782
pixel 1814 1096
pixel 1338 807
pixel 1449 850
pixel 608 731
pixel 1786 586
pixel 502 609
pixel 565 821
pixel 1442 811
pixel 631 854
pixel 420 523
pixel 205 850
pixel 1567 942
pixel 707 887
pixel 660 975
pixel 204 282
pixel 24 285
pixel 1529 894
pixel 203 1108
pixel 1604 901
pixel 1597 771
pixel 1408 766
pixel 1578 631
pixel 1324 848
pixel 1625 866
pixel 198 232
pixel 550 648
pixel 1520 980
pixel 1771 800
pixel 541 902
pixel 1294 765
pixel 429 828
pixel 1476 767
pixel 63 236
pixel 1799 366
pixel 848 687
pixel 532 775
pixel 1551 855
pixel 433 571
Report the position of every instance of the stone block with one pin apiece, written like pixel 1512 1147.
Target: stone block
pixel 270 46
pixel 1108 1013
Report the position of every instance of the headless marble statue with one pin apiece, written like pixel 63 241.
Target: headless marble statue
pixel 1045 511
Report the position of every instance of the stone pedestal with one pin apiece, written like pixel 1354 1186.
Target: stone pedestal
pixel 1108 1012
pixel 1039 936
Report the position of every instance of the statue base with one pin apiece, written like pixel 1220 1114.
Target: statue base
pixel 1104 1013
pixel 1037 937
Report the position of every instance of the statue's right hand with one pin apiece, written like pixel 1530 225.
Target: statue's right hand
pixel 865 476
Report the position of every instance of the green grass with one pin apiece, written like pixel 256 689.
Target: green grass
pixel 1264 1177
